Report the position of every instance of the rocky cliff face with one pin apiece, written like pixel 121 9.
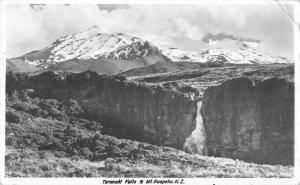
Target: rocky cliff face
pixel 127 109
pixel 250 120
pixel 242 118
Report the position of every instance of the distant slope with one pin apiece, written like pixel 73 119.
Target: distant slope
pixel 167 67
pixel 103 65
pixel 19 65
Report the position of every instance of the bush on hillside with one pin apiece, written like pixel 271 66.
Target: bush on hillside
pixel 48 104
pixel 74 109
pixel 13 116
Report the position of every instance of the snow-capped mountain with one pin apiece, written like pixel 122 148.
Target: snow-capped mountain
pixel 242 55
pixel 92 44
pixel 225 48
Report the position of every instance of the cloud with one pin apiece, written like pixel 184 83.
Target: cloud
pixel 37 7
pixel 29 29
pixel 112 7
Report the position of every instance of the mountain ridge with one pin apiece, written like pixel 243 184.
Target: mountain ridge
pixel 91 44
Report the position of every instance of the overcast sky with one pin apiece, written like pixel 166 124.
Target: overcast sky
pixel 35 27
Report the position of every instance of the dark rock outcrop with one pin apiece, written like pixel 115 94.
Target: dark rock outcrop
pixel 134 50
pixel 250 120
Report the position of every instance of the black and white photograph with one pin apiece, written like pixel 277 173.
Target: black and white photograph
pixel 150 92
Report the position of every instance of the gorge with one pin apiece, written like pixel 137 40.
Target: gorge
pixel 245 118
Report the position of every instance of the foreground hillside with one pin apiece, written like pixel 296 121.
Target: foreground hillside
pixel 48 138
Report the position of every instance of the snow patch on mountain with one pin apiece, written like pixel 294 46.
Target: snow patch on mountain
pixel 177 55
pixel 89 44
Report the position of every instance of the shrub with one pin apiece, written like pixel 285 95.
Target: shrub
pixel 99 146
pixel 24 95
pixel 78 172
pixel 85 151
pixel 44 113
pixel 57 114
pixel 35 110
pixel 93 125
pixel 35 100
pixel 51 143
pixel 60 153
pixel 113 150
pixel 14 96
pixel 70 135
pixel 11 141
pixel 21 106
pixel 48 104
pixel 74 108
pixel 79 122
pixel 13 116
pixel 45 167
pixel 49 174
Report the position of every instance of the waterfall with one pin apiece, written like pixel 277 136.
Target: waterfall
pixel 196 141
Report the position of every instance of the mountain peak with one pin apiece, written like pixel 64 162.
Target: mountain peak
pixel 93 43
